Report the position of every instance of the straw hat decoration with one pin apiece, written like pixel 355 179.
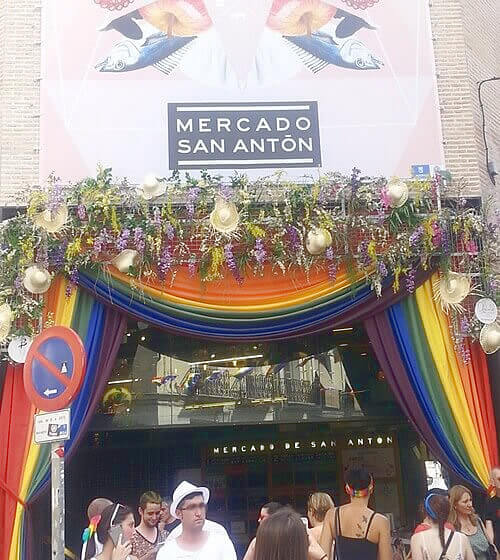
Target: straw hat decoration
pixel 126 259
pixel 52 221
pixel 397 193
pixel 318 240
pixel 151 187
pixel 489 337
pixel 451 289
pixel 6 317
pixel 224 217
pixel 37 279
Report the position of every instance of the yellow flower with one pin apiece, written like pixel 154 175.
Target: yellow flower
pixel 397 274
pixel 256 231
pixel 74 248
pixel 217 255
pixel 372 250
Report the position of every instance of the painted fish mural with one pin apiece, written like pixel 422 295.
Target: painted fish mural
pixel 318 50
pixel 158 50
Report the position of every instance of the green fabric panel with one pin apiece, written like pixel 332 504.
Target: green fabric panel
pixel 228 317
pixel 432 382
pixel 81 313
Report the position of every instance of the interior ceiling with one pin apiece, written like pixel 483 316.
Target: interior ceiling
pixel 197 350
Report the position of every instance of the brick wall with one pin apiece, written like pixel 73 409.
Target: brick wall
pixel 19 96
pixel 466 48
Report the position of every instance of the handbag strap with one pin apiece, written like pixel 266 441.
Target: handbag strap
pixel 445 549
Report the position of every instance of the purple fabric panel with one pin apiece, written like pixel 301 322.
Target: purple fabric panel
pixel 115 325
pixel 380 333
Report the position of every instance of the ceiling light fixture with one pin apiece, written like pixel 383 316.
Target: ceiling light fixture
pixel 344 329
pixel 222 360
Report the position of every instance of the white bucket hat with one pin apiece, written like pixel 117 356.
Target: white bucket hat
pixel 184 489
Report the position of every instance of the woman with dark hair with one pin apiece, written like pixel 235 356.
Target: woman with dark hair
pixel 358 531
pixel 114 529
pixel 282 537
pixel 438 542
pixel 466 521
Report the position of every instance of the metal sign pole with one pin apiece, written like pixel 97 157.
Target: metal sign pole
pixel 58 506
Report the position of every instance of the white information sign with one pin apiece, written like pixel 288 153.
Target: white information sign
pixel 486 311
pixel 52 426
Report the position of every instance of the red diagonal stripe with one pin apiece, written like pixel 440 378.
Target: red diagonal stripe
pixel 52 368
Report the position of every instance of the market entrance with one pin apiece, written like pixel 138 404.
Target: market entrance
pixel 254 422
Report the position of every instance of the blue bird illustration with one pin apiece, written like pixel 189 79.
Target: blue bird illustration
pixel 318 50
pixel 158 50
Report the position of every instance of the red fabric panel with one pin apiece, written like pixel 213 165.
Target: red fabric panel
pixel 16 424
pixel 484 403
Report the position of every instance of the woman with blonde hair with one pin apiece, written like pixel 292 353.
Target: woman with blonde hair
pixel 317 506
pixel 465 520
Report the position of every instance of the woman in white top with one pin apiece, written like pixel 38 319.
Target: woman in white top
pixel 439 543
pixel 114 529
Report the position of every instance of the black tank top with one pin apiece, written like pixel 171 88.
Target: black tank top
pixel 350 548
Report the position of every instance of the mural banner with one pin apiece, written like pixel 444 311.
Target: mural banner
pixel 150 86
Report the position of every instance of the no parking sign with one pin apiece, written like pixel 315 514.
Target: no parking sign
pixel 54 368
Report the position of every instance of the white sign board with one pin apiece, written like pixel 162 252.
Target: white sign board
pixel 52 426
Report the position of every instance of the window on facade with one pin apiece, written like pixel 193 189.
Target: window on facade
pixel 160 380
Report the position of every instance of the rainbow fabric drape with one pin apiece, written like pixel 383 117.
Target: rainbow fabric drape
pixel 25 465
pixel 448 402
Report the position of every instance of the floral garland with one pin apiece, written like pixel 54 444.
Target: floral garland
pixel 213 227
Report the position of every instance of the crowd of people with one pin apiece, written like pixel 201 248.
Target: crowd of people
pixel 178 529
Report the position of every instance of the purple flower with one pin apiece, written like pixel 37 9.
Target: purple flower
pixel 122 241
pixel 139 241
pixel 165 262
pixel 225 192
pixel 169 229
pixel 416 236
pixel 73 280
pixel 192 265
pixel 293 234
pixel 102 239
pixel 81 212
pixel 73 275
pixel 332 265
pixel 231 262
pixel 382 269
pixel 363 256
pixel 410 281
pixel 56 255
pixel 191 196
pixel 56 197
pixel 18 283
pixel 260 252
pixel 437 238
pixel 464 325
